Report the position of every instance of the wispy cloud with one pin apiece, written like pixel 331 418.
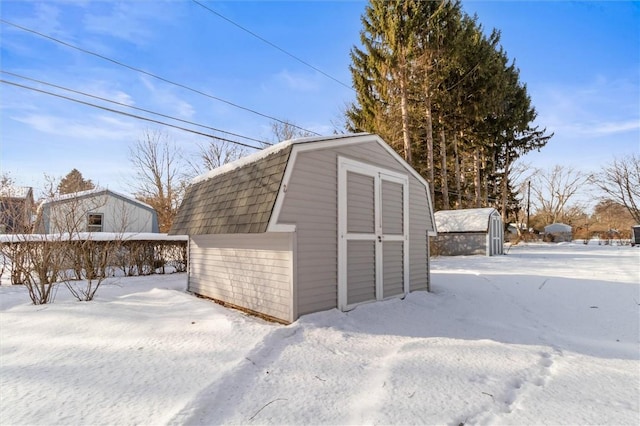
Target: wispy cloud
pixel 610 128
pixel 127 21
pixel 601 108
pixel 104 89
pixel 302 82
pixel 93 128
pixel 166 101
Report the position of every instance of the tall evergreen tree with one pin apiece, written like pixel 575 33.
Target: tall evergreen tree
pixel 74 182
pixel 428 71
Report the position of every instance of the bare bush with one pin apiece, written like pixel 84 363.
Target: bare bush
pixel 91 260
pixel 35 262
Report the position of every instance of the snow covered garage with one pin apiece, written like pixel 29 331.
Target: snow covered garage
pixel 308 225
pixel 469 231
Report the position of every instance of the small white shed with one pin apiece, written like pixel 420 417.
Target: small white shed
pixel 558 232
pixel 308 225
pixel 469 231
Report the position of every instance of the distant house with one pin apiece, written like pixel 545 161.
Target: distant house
pixel 469 231
pixel 558 232
pixel 16 209
pixel 308 225
pixel 95 210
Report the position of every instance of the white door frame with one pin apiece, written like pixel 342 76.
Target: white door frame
pixel 346 165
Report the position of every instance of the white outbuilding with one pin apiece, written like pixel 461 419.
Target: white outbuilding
pixel 468 232
pixel 95 210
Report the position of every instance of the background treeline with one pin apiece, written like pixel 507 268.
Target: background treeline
pixel 445 95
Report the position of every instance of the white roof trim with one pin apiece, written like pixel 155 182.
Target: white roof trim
pixel 95 191
pixel 326 142
pixel 94 236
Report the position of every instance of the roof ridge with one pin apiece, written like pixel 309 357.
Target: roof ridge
pixel 259 155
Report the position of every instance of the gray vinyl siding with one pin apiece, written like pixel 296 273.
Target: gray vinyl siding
pixel 392 268
pixel 419 224
pixel 392 221
pixel 311 204
pixel 361 276
pixel 248 270
pixel 360 204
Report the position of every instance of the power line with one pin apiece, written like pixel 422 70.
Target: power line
pixel 128 114
pixel 4 21
pixel 134 107
pixel 272 44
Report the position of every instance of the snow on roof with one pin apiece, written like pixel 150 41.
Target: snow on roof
pixel 95 236
pixel 15 191
pixel 94 191
pixel 257 156
pixel 557 227
pixel 464 220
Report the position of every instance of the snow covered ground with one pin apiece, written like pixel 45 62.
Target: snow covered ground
pixel 548 334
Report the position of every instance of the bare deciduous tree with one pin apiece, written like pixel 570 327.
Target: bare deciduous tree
pixel 159 175
pixel 286 130
pixel 216 154
pixel 620 181
pixel 553 189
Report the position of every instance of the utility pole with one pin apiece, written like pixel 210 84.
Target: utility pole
pixel 528 203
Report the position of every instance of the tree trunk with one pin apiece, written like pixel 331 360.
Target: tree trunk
pixel 405 118
pixel 429 128
pixel 443 171
pixel 477 180
pixel 505 181
pixel 458 177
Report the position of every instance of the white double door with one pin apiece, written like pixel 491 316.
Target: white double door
pixel 373 233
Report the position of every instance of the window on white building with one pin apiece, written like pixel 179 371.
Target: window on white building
pixel 94 222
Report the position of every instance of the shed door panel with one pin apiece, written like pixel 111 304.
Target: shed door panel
pixel 373 234
pixel 360 203
pixel 392 268
pixel 361 274
pixel 496 235
pixel 392 208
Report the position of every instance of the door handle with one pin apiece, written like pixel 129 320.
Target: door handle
pixel 379 238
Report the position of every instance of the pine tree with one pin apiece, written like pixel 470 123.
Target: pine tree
pixel 427 72
pixel 74 182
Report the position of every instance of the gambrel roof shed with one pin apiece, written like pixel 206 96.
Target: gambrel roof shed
pixel 236 198
pixel 307 225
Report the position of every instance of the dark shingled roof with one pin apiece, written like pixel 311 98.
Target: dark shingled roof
pixel 239 201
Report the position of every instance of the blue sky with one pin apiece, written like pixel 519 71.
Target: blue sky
pixel 580 61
